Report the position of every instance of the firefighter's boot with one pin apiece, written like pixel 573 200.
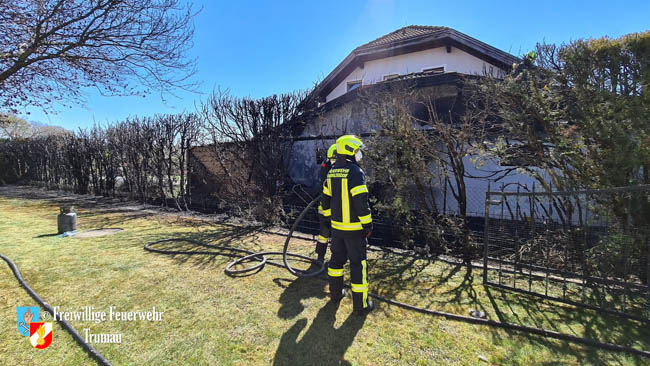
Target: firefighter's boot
pixel 321 248
pixel 337 292
pixel 362 305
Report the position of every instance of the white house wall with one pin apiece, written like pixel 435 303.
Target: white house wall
pixel 455 61
pixel 304 169
pixel 353 118
pixel 476 187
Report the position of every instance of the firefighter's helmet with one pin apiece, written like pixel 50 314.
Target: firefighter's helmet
pixel 348 145
pixel 331 152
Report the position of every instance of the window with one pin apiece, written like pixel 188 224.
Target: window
pixel 434 70
pixel 353 84
pixel 390 76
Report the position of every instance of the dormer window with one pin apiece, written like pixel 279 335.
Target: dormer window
pixel 353 84
pixel 390 76
pixel 434 70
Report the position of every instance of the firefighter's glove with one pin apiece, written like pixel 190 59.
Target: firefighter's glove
pixel 367 230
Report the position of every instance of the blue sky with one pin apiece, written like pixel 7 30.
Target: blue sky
pixel 258 48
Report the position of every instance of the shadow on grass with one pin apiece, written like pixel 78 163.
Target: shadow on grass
pixel 395 276
pixel 528 310
pixel 404 277
pixel 117 218
pixel 223 244
pixel 45 236
pixel 296 290
pixel 321 344
pixel 436 285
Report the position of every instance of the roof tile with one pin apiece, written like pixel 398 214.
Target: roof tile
pixel 402 34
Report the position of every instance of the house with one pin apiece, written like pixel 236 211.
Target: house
pixel 413 50
pixel 435 60
pixel 432 59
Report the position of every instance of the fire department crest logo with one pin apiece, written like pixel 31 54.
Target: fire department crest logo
pixel 40 334
pixel 24 316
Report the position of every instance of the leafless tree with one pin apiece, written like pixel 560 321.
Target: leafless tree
pixel 12 126
pixel 424 142
pixel 50 50
pixel 144 158
pixel 252 139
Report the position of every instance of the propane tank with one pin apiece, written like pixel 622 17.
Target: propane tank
pixel 67 219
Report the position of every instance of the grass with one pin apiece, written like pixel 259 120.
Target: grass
pixel 270 318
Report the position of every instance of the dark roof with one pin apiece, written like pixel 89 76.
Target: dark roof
pixel 417 80
pixel 411 39
pixel 409 32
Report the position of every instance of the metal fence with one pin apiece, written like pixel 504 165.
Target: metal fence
pixel 382 234
pixel 426 237
pixel 587 248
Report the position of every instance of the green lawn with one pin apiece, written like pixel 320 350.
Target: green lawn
pixel 270 318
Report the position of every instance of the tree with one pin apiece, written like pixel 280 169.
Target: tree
pixel 252 140
pixel 12 127
pixel 42 129
pixel 142 157
pixel 579 114
pixel 51 49
pixel 423 143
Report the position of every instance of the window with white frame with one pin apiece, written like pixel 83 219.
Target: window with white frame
pixel 353 84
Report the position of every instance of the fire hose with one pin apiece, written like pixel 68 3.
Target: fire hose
pixel 261 258
pixel 64 324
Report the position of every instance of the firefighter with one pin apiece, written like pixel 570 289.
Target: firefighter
pixel 345 195
pixel 323 216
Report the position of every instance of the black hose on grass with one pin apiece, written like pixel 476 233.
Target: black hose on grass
pixel 249 255
pixel 242 256
pixel 75 335
pixel 261 258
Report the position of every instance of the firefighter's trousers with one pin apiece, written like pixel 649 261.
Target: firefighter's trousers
pixel 349 245
pixel 323 236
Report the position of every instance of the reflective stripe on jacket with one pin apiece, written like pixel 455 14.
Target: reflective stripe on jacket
pixel 345 195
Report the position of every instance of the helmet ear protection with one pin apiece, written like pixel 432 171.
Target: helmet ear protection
pixel 348 145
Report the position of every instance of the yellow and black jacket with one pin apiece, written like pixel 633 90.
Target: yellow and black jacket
pixel 345 197
pixel 324 221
